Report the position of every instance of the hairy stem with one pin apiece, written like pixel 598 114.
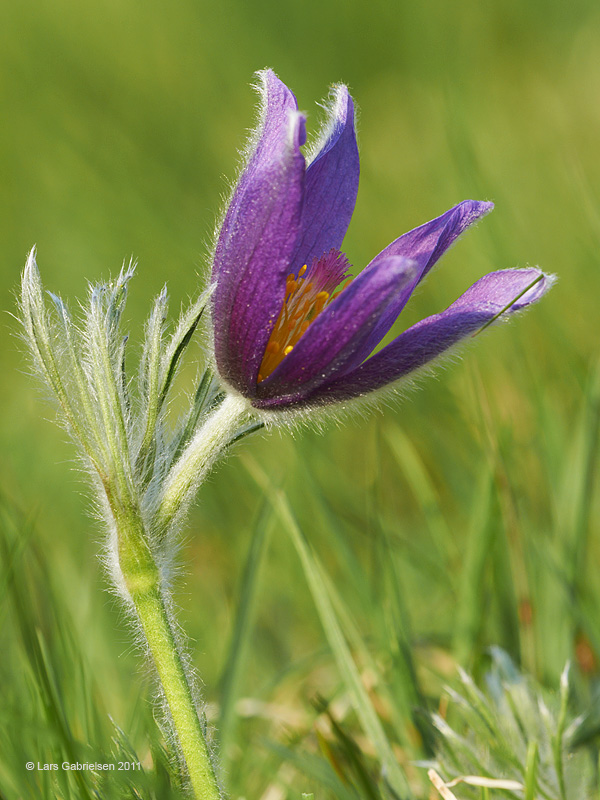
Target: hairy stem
pixel 158 629
pixel 199 456
pixel 142 580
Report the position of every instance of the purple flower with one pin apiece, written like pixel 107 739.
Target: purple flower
pixel 291 327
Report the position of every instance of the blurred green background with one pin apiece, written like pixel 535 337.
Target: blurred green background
pixel 120 120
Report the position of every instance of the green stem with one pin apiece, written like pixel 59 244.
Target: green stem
pixel 143 582
pixel 198 457
pixel 188 728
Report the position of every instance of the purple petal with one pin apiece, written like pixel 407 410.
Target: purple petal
pixel 258 236
pixel 426 245
pixel 328 346
pixel 433 336
pixel 331 183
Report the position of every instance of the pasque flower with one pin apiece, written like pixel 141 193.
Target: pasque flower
pixel 292 326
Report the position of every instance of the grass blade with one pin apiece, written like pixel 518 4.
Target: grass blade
pixel 369 720
pixel 243 627
pixel 470 606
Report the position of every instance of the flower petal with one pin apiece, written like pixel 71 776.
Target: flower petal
pixel 258 236
pixel 331 183
pixel 328 346
pixel 426 245
pixel 491 296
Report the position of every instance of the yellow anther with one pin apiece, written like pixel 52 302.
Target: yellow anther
pixel 307 293
pixel 320 301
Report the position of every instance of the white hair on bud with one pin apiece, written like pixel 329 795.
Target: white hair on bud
pixel 334 116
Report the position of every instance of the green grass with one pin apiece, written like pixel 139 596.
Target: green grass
pixel 463 517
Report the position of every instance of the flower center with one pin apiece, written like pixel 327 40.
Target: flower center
pixel 306 295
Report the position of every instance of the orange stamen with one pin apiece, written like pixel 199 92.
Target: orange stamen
pixel 305 298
